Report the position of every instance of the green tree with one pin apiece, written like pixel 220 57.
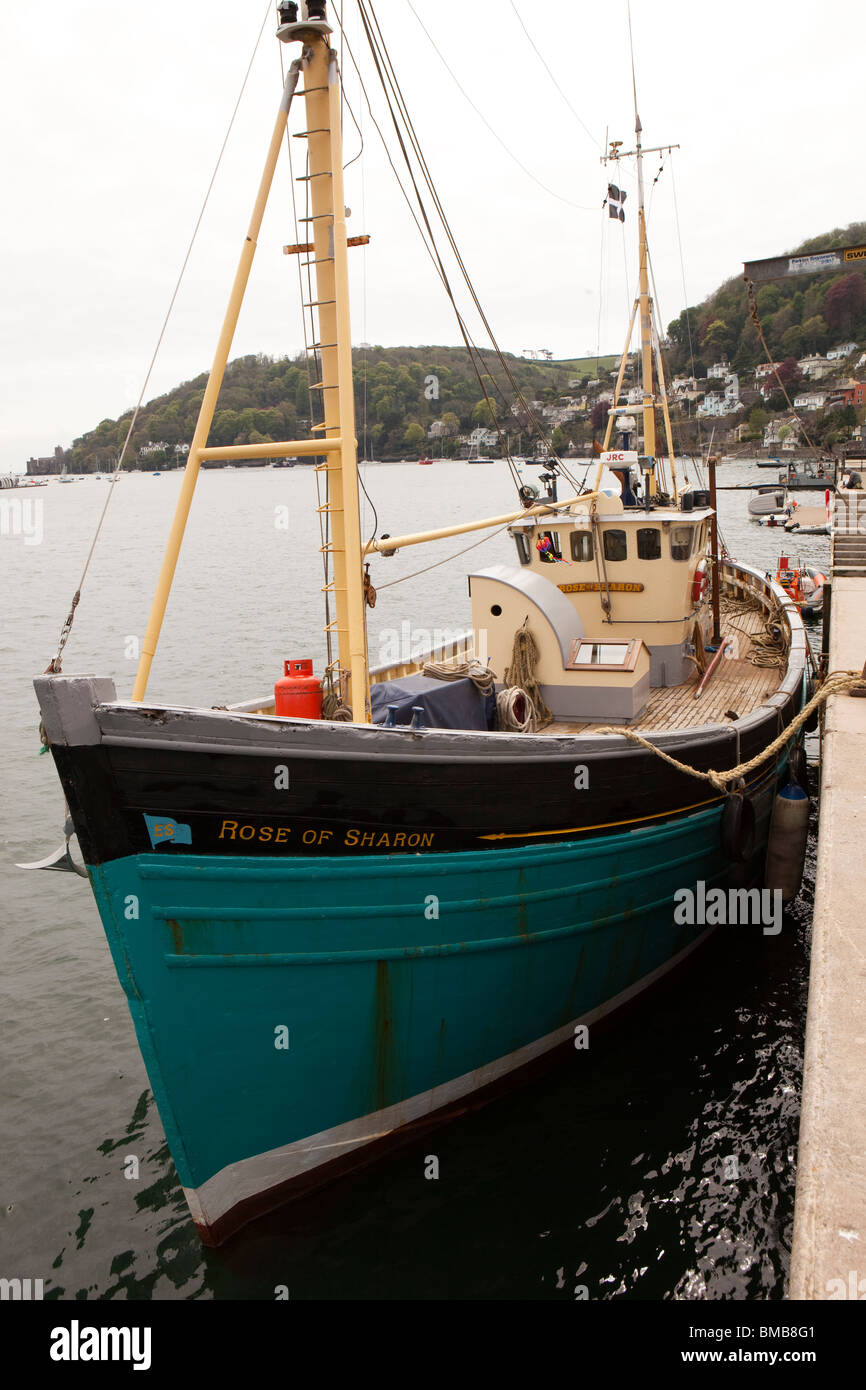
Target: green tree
pixel 792 340
pixel 716 337
pixel 414 436
pixel 815 334
pixel 451 424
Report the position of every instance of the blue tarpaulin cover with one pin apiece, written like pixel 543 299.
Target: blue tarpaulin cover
pixel 446 704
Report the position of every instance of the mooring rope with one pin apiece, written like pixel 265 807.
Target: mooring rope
pixel 837 683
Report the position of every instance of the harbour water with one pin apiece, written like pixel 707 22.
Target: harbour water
pixel 657 1164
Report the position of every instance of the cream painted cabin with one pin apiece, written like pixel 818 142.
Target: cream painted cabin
pixel 613 614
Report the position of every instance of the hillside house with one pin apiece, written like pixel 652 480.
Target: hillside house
pixel 815 367
pixel 781 433
pixel 843 350
pixel 810 400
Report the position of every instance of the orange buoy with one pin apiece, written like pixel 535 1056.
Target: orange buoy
pixel 298 693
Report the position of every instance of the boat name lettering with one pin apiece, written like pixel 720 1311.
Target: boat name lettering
pixel 231 830
pixel 394 839
pixel 593 587
pixel 353 838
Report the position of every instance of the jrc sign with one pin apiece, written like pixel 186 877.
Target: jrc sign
pixel 618 456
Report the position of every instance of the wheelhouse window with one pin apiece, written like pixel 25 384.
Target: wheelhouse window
pixel 521 540
pixel 603 656
pixel 581 546
pixel 681 542
pixel 615 545
pixel 549 547
pixel 649 543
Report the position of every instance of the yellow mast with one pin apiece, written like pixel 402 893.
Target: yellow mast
pixel 330 258
pixel 322 97
pixel 208 405
pixel 646 337
pixel 649 347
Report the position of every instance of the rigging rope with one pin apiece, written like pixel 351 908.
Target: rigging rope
pixel 528 172
pixel 574 113
pixel 387 77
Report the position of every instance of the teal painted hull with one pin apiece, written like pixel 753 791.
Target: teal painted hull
pixel 403 981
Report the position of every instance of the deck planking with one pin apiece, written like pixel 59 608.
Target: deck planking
pixel 737 685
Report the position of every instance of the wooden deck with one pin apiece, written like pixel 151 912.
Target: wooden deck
pixel 737 686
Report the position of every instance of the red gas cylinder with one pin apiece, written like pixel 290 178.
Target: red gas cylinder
pixel 299 693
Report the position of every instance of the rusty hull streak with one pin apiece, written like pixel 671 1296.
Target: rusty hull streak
pixel 176 935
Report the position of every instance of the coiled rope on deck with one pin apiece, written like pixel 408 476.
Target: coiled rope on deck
pixel 520 678
pixel 457 670
pixel 837 683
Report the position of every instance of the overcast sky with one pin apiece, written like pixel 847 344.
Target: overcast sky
pixel 113 115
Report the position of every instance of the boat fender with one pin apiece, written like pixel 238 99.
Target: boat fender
pixel 700 580
pixel 798 769
pixel 738 828
pixel 786 846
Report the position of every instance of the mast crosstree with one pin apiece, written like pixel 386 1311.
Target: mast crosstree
pixel 644 308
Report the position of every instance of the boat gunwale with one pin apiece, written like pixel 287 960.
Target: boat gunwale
pixel 349 740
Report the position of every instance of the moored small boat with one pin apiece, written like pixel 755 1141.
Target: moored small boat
pixel 804 584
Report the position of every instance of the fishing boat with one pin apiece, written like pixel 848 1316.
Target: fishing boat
pixel 349 906
pixel 811 475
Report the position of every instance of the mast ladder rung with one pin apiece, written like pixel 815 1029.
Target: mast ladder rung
pixel 315 347
pixel 315 217
pixel 318 130
pixel 305 178
pixel 307 90
pixel 328 507
pixel 320 386
pixel 315 302
pixel 331 627
pixel 319 260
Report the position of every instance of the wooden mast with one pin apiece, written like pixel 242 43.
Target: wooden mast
pixel 327 222
pixel 198 449
pixel 649 348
